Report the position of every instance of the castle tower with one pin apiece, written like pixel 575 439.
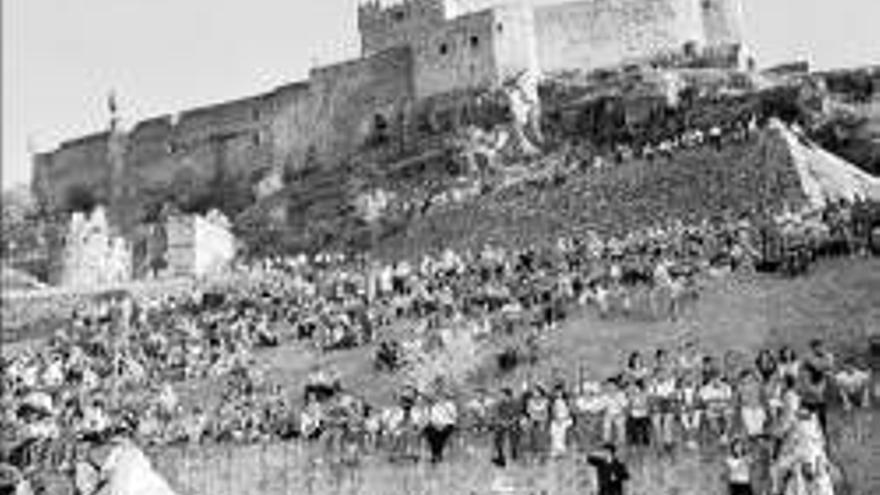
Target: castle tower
pixel 386 24
pixel 723 22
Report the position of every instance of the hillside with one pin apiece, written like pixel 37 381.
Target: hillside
pixel 839 302
pixel 743 177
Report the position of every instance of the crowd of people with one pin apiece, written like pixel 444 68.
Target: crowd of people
pixel 116 364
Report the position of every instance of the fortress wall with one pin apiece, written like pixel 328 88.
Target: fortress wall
pixel 232 117
pixel 292 118
pixel 149 153
pixel 458 55
pixel 345 100
pixel 81 163
pixel 232 137
pixel 596 33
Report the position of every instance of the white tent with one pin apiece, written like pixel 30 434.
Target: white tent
pixel 129 472
pixel 824 176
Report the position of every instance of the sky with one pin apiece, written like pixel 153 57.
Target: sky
pixel 61 58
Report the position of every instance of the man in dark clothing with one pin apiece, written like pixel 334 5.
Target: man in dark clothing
pixel 507 428
pixel 818 366
pixel 610 471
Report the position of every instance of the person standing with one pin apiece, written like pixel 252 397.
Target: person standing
pixel 443 417
pixel 611 473
pixel 817 368
pixel 560 423
pixel 507 428
pixel 737 470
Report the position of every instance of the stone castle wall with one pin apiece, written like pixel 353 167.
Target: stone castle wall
pixel 331 114
pixel 461 54
pixel 386 25
pixel 414 50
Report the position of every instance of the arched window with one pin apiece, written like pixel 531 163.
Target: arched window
pixel 444 49
pixel 475 41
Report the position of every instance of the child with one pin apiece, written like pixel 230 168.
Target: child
pixel 737 472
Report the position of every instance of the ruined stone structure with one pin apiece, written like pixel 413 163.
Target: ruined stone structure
pixel 198 245
pixel 412 51
pixel 91 255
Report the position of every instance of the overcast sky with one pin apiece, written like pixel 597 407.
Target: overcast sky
pixel 62 57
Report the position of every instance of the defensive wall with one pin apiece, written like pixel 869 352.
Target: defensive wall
pixel 329 115
pixel 413 50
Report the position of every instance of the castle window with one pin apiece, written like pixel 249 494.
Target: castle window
pixel 256 114
pixel 398 15
pixel 256 138
pixel 444 48
pixel 171 147
pixel 500 27
pixel 475 41
pixel 707 4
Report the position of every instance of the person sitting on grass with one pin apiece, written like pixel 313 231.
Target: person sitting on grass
pixel 853 384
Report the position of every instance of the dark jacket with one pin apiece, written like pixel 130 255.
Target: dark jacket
pixel 611 475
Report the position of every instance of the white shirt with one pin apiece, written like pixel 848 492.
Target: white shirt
pixel 444 413
pixel 737 470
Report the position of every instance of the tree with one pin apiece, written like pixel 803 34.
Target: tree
pixel 20 221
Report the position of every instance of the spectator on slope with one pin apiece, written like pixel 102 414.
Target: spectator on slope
pixel 717 395
pixel 614 406
pixel 690 409
pixel 611 472
pixel 753 413
pixel 817 370
pixel 507 429
pixel 662 387
pixel 537 420
pixel 854 385
pixel 789 365
pixel 560 422
pixel 443 418
pixel 639 425
pixel 738 470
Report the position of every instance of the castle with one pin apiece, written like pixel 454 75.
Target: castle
pixel 412 51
